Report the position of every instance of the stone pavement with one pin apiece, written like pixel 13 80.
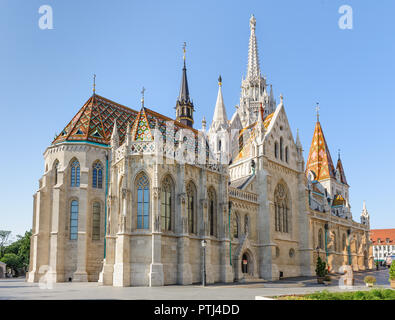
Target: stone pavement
pixel 19 289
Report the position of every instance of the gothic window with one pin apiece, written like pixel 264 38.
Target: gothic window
pixel 96 221
pixel 75 174
pixel 235 226
pixel 281 209
pixel 334 244
pixel 143 198
pixel 276 149
pixel 281 148
pixel 74 220
pixel 212 211
pixel 286 154
pixel 191 205
pixel 246 226
pixel 56 169
pixel 219 145
pixel 166 201
pixel 320 239
pixel 97 175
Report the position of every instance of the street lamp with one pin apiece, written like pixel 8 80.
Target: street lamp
pixel 204 244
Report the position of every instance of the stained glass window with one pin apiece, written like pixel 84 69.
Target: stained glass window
pixel 167 194
pixel 97 175
pixel 191 196
pixel 75 174
pixel 143 195
pixel 96 221
pixel 74 220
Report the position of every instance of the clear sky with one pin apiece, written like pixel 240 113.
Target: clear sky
pixel 46 76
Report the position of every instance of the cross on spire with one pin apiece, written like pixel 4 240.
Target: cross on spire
pixel 184 49
pixel 317 109
pixel 142 97
pixel 94 83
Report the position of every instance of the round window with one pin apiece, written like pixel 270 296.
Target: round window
pixel 291 253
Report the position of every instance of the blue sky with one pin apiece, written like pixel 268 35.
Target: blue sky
pixel 46 76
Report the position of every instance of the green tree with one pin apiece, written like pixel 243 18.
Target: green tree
pixel 4 235
pixel 21 248
pixel 321 270
pixel 12 261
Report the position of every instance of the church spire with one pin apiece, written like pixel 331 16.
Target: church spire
pixel 319 160
pixel 253 70
pixel 184 105
pixel 220 119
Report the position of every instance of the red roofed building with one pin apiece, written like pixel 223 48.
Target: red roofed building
pixel 383 242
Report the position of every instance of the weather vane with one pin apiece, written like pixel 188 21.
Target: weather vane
pixel 142 97
pixel 184 49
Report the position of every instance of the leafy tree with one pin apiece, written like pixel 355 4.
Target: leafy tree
pixel 21 248
pixel 4 235
pixel 12 261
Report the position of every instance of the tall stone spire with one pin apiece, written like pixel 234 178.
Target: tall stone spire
pixel 220 119
pixel 184 105
pixel 253 70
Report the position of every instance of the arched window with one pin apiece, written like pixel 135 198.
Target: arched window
pixel 236 226
pixel 320 240
pixel 166 203
pixel 344 242
pixel 97 175
pixel 143 198
pixel 286 154
pixel 281 148
pixel 191 205
pixel 219 145
pixel 212 212
pixel 56 169
pixel 74 220
pixel 246 226
pixel 334 248
pixel 96 220
pixel 281 209
pixel 75 173
pixel 276 149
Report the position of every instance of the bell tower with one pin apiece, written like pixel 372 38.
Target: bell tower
pixel 184 105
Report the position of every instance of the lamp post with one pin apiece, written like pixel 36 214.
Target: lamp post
pixel 204 244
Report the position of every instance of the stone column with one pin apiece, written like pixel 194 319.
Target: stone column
pixel 264 225
pixel 121 275
pixel 156 276
pixel 80 275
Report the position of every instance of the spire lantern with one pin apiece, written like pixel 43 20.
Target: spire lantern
pixel 184 105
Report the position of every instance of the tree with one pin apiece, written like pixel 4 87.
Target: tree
pixel 321 270
pixel 4 235
pixel 21 248
pixel 12 261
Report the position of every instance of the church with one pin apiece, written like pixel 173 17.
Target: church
pixel 135 198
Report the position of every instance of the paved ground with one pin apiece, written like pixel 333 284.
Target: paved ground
pixel 19 289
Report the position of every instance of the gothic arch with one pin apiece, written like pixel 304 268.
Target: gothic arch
pixel 282 208
pixel 212 211
pixel 167 202
pixel 191 193
pixel 243 249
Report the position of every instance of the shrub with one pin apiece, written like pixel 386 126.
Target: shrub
pixel 327 278
pixel 392 271
pixel 369 279
pixel 321 270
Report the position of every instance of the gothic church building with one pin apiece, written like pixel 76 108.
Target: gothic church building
pixel 119 204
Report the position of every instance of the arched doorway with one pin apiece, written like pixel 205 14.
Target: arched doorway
pixel 244 264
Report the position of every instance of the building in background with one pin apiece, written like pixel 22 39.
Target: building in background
pixel 383 243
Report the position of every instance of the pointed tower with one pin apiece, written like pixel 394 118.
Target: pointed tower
pixel 253 87
pixel 184 105
pixel 220 119
pixel 365 215
pixel 340 175
pixel 319 161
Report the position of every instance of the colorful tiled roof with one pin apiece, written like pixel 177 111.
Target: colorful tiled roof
pixel 94 122
pixel 319 160
pixel 251 135
pixel 338 200
pixel 339 167
pixel 382 234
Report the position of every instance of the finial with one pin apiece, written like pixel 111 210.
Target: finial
pixel 204 123
pixel 220 81
pixel 142 97
pixel 281 98
pixel 184 49
pixel 252 22
pixel 338 151
pixel 317 108
pixel 94 84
